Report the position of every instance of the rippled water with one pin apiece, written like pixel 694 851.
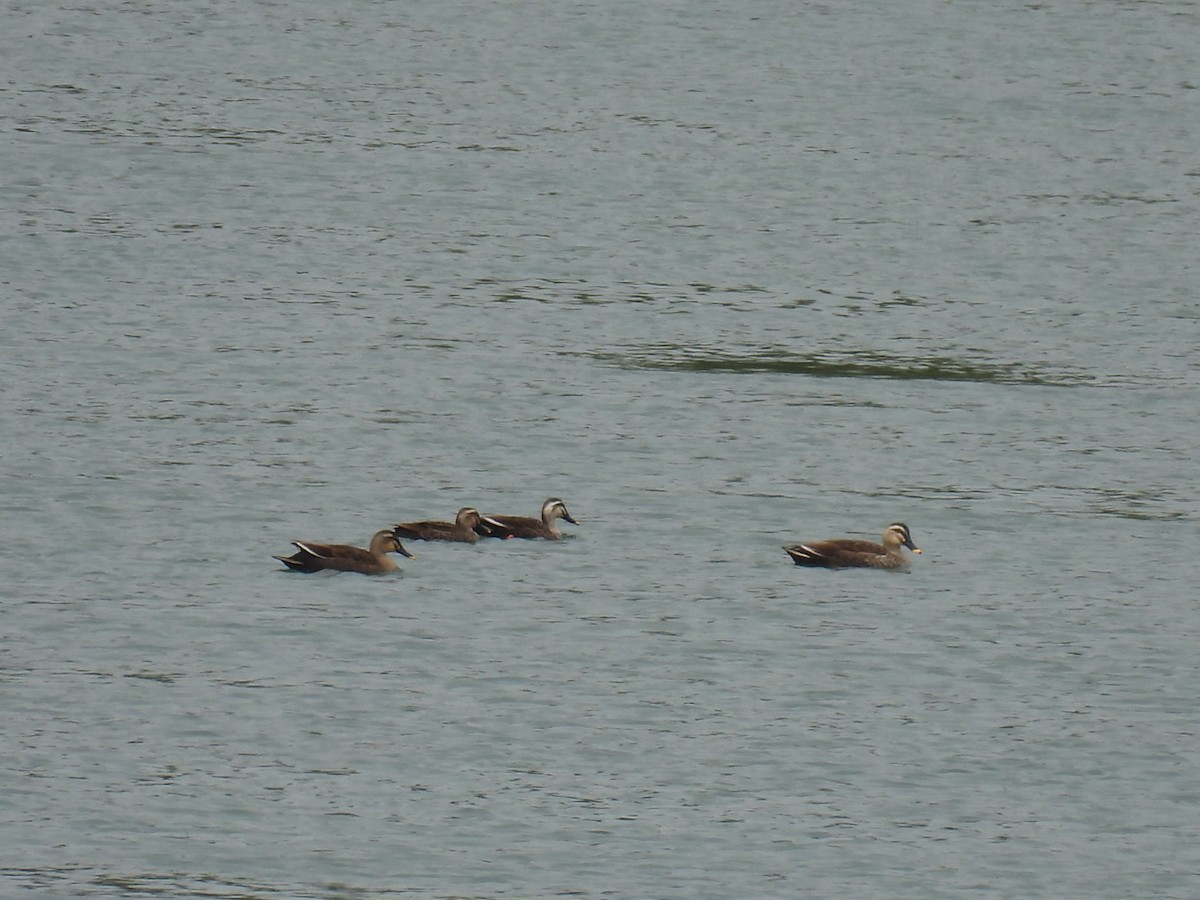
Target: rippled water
pixel 721 277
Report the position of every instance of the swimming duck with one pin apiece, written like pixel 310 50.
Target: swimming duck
pixel 312 557
pixel 527 526
pixel 462 529
pixel 847 553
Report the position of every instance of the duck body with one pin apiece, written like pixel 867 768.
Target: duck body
pixel 462 529
pixel 849 553
pixel 527 527
pixel 312 557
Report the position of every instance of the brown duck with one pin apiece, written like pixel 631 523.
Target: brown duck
pixel 312 557
pixel 847 553
pixel 462 529
pixel 526 526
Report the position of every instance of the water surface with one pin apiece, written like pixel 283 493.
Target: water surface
pixel 722 278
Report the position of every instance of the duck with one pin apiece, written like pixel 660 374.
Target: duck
pixel 462 529
pixel 527 527
pixel 312 557
pixel 848 553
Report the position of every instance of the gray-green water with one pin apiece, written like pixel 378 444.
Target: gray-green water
pixel 723 277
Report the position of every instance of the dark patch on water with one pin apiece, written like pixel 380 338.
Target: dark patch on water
pixel 862 364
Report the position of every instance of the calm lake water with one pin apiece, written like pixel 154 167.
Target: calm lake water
pixel 723 277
